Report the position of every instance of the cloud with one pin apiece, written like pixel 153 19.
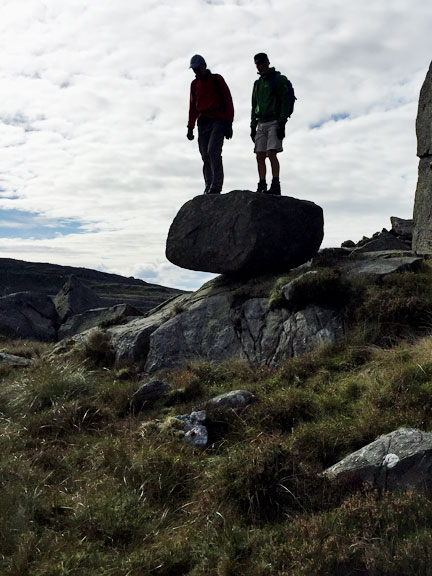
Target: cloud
pixel 93 113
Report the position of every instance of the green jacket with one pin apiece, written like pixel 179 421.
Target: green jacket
pixel 269 98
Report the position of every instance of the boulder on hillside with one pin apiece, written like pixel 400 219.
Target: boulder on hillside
pixel 75 298
pixel 28 315
pixel 422 233
pixel 399 460
pixel 244 233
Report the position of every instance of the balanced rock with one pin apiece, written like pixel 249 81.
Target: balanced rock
pixel 244 233
pixel 422 233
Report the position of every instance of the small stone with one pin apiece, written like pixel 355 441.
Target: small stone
pixel 235 400
pixel 197 436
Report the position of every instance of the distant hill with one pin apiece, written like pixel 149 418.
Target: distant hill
pixel 20 276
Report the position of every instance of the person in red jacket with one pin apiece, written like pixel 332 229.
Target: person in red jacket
pixel 211 106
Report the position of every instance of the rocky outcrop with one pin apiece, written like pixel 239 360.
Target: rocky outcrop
pixel 402 228
pixel 215 324
pixel 102 317
pixel 400 460
pixel 131 341
pixel 398 238
pixel 28 315
pixel 422 234
pixel 383 242
pixel 212 329
pixel 244 233
pixel 75 298
pixel 230 318
pixel 380 265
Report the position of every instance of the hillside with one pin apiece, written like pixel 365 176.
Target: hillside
pixel 20 276
pixel 92 483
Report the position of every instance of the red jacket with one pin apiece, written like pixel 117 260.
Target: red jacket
pixel 210 97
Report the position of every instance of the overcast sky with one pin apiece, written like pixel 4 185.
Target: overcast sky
pixel 94 160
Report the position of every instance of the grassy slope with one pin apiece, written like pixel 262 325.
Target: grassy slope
pixel 86 487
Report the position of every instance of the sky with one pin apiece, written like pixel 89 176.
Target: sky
pixel 94 96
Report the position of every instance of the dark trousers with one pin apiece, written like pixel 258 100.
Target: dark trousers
pixel 210 142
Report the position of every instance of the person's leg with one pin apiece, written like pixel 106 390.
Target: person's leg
pixel 261 155
pixel 274 146
pixel 204 133
pixel 215 157
pixel 262 169
pixel 274 163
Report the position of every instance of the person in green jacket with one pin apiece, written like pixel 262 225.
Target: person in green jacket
pixel 268 118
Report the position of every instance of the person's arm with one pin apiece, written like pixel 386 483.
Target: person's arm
pixel 193 113
pixel 254 120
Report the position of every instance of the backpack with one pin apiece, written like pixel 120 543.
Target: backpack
pixel 291 96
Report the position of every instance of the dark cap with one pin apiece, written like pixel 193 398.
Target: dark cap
pixel 197 61
pixel 261 56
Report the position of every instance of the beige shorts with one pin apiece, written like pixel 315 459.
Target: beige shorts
pixel 266 138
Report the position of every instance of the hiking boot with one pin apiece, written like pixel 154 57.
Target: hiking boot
pixel 262 186
pixel 213 191
pixel 275 187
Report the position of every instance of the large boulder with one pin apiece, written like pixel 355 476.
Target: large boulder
pixel 244 233
pixel 422 233
pixel 28 315
pixel 75 298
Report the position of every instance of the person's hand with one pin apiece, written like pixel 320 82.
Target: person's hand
pixel 253 134
pixel 228 131
pixel 280 130
pixel 190 134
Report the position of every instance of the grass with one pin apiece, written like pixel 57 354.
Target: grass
pixel 87 487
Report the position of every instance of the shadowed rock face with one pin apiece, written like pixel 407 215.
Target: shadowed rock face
pixel 75 298
pixel 244 233
pixel 422 234
pixel 28 315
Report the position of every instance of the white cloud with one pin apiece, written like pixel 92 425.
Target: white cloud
pixel 93 112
